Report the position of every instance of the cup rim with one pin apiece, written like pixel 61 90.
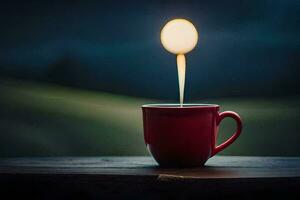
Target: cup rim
pixel 177 105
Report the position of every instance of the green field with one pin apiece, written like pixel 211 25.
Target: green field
pixel 46 120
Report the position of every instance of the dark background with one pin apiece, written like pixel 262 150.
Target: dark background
pixel 73 74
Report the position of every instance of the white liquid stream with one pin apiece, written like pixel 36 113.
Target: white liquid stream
pixel 181 76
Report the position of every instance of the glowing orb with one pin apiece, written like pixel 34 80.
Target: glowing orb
pixel 179 36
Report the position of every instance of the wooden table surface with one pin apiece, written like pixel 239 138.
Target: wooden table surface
pixel 133 177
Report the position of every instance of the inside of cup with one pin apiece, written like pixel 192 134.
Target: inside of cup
pixel 177 105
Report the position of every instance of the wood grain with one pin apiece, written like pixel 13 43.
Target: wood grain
pixel 133 177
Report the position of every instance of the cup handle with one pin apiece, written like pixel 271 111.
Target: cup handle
pixel 239 125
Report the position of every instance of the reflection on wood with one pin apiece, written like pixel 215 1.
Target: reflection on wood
pixel 135 177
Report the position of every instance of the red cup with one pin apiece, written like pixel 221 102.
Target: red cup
pixel 185 136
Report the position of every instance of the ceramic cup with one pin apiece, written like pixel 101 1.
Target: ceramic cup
pixel 185 136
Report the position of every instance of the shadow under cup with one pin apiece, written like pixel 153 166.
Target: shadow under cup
pixel 185 136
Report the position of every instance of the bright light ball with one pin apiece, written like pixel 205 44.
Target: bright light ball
pixel 179 36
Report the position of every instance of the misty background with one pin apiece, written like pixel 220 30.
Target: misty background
pixel 73 74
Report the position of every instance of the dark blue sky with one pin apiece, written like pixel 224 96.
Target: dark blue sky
pixel 246 48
